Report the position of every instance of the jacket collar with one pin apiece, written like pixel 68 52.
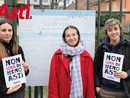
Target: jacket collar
pixel 85 54
pixel 65 60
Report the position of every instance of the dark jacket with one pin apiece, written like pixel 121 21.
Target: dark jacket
pixel 122 48
pixel 3 88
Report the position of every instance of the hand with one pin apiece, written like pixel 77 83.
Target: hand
pixel 14 88
pixel 121 74
pixel 25 66
pixel 98 89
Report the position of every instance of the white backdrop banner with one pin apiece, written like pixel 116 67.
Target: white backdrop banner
pixel 41 35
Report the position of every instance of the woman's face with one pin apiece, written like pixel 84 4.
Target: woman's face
pixel 71 37
pixel 114 34
pixel 6 32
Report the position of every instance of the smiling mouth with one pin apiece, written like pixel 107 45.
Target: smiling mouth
pixel 114 36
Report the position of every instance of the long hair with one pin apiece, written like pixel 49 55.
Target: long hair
pixel 13 42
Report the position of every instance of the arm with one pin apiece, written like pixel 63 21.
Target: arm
pixel 90 88
pixel 24 63
pixel 128 73
pixel 127 69
pixel 53 85
pixel 3 90
pixel 98 59
pixel 14 89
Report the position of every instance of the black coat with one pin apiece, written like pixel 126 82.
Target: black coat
pixel 3 88
pixel 122 48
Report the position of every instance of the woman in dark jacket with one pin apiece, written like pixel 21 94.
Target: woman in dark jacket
pixel 9 47
pixel 117 44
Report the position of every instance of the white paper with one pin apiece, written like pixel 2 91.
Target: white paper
pixel 112 63
pixel 13 70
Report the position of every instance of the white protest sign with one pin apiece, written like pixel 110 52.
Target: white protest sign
pixel 112 63
pixel 13 70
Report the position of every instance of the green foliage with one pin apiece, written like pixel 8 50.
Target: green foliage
pixel 104 17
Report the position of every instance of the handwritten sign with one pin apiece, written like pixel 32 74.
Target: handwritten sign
pixel 13 70
pixel 112 63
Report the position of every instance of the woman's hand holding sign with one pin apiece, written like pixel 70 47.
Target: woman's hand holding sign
pixel 17 87
pixel 25 66
pixel 121 74
pixel 14 88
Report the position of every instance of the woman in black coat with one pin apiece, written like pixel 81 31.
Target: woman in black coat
pixel 9 47
pixel 114 42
